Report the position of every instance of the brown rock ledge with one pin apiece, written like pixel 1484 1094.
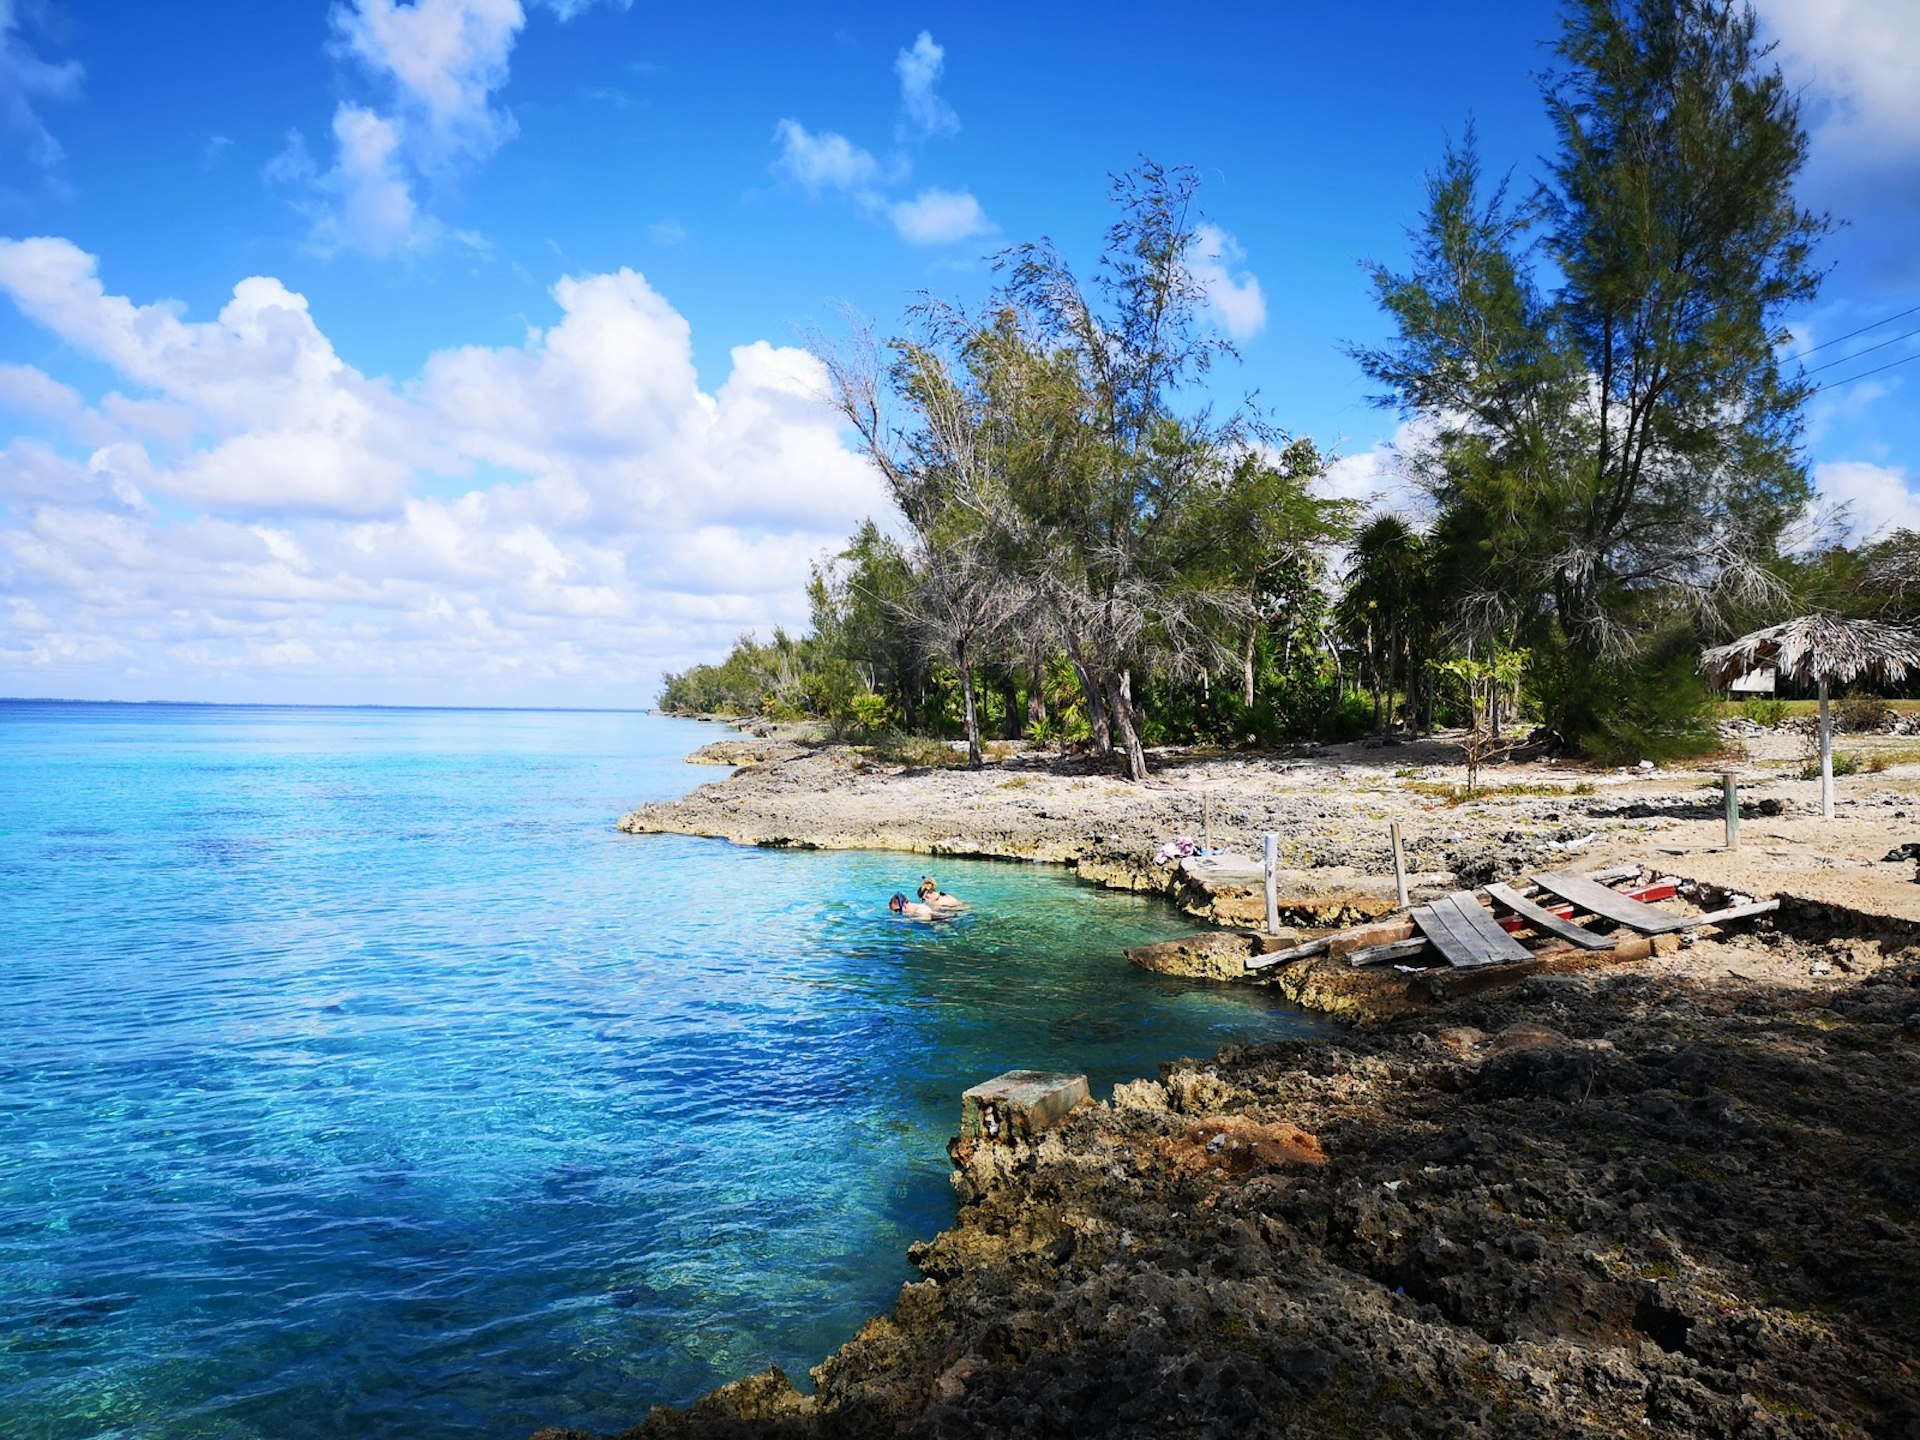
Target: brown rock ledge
pixel 1658 1200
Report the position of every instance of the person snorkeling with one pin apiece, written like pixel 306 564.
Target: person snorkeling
pixel 931 894
pixel 910 909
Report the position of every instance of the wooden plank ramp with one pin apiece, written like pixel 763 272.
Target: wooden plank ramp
pixel 1597 899
pixel 1546 922
pixel 1463 932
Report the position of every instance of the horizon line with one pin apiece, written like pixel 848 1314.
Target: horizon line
pixel 337 705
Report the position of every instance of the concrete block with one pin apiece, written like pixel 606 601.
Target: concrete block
pixel 1018 1105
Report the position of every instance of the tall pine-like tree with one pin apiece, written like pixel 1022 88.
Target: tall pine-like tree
pixel 1599 363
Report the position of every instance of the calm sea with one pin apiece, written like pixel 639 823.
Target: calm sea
pixel 358 1079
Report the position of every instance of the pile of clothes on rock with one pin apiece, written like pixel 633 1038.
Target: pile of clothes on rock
pixel 1176 850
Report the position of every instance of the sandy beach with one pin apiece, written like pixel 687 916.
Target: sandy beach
pixel 1669 1197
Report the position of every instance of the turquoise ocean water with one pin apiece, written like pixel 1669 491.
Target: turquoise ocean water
pixel 358 1079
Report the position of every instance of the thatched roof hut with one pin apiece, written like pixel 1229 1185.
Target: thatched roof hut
pixel 1826 650
pixel 1820 648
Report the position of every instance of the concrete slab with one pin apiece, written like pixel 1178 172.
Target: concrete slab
pixel 1019 1104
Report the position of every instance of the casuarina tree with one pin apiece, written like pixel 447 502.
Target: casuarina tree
pixel 1598 363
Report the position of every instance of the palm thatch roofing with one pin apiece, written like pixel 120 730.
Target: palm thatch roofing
pixel 1816 648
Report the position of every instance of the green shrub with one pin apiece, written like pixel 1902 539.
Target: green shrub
pixel 1349 720
pixel 1845 762
pixel 1653 705
pixel 1858 713
pixel 921 752
pixel 1766 711
pixel 869 713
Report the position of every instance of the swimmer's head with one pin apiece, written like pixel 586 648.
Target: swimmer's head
pixel 897 903
pixel 927 887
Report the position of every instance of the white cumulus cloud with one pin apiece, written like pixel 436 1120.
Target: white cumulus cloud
pixel 1877 498
pixel 826 161
pixel 1234 295
pixel 543 522
pixel 1382 477
pixel 1864 56
pixel 919 69
pixel 436 67
pixel 829 161
pixel 1855 65
pixel 939 217
pixel 442 61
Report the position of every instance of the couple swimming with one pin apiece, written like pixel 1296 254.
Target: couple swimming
pixel 933 904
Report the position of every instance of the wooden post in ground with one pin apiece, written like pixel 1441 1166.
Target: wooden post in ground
pixel 1270 860
pixel 1399 866
pixel 1733 809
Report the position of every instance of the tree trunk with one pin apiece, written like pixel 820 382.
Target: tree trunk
pixel 1009 706
pixel 1577 711
pixel 1096 705
pixel 1826 756
pixel 974 758
pixel 1493 688
pixel 1246 668
pixel 1120 704
pixel 1036 696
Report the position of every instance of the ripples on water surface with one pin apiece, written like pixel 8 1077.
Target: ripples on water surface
pixel 357 1079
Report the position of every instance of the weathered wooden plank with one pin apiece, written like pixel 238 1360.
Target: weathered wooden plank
pixel 1546 922
pixel 1494 942
pixel 1443 925
pixel 1732 912
pixel 1564 911
pixel 1597 899
pixel 1605 877
pixel 1381 954
pixel 1340 942
pixel 1285 957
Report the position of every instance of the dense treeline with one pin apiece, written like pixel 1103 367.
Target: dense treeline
pixel 1087 547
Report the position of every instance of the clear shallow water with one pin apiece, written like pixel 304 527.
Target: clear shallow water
pixel 358 1079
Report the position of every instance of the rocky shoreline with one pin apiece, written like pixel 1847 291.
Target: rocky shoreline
pixel 1677 1197
pixel 1332 808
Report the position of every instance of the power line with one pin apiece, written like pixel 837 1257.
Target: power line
pixel 1849 379
pixel 1883 320
pixel 1848 359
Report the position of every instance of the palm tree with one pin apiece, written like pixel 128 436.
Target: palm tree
pixel 1381 609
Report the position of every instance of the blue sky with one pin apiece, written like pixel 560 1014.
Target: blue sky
pixel 453 351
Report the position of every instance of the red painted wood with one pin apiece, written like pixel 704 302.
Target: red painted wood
pixel 1648 893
